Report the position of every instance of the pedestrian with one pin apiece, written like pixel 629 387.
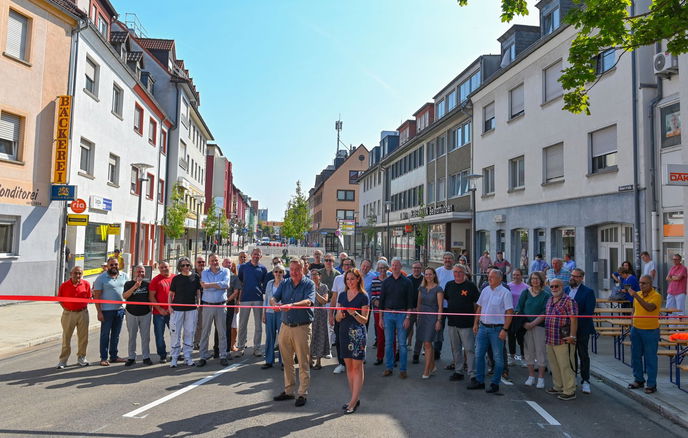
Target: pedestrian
pixel 374 293
pixel 243 257
pixel 138 315
pixel 215 282
pixel 586 302
pixel 184 289
pixel 464 258
pixel 74 315
pixel 320 344
pixel 271 321
pixel 561 326
pixel 120 260
pixel 339 286
pixel 328 273
pixel 502 264
pixel 109 285
pixel 516 286
pixel 396 300
pixel 558 271
pixel 676 292
pixel 253 279
pixel 233 292
pixel 444 276
pixel 198 268
pixel 539 264
pixel 416 278
pixel 649 267
pixel 628 282
pixel 645 335
pixel 533 301
pixel 295 297
pixel 429 303
pixel 569 262
pixel 352 317
pixel 462 297
pixel 491 325
pixel 342 256
pixel 484 262
pixel 317 260
pixel 276 261
pixel 159 292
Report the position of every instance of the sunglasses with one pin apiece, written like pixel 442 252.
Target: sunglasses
pixel 554 286
pixel 199 263
pixel 185 265
pixel 329 261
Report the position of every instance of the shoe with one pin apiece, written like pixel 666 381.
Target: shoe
pixel 339 369
pixel 147 361
pixel 567 396
pixel 346 405
pixel 402 374
pixel 283 396
pixel 316 367
pixel 190 363
pixel 201 363
pixel 196 346
pixel 224 362
pixel 450 367
pixel 636 385
pixel 476 385
pixel 257 353
pixel 216 354
pixel 506 380
pixel 585 387
pixel 552 391
pixel 424 376
pixel 329 356
pixel 129 362
pixel 173 363
pixel 493 389
pixel 266 366
pixel 118 360
pixel 415 359
pixel 540 383
pixel 104 363
pixel 490 371
pixel 351 411
pixel 82 361
pixel 530 381
pixel 650 389
pixel 455 377
pixel 378 362
pixel 434 370
pixel 163 360
pixel 387 373
pixel 300 401
pixel 61 366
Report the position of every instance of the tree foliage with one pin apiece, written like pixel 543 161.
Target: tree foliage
pixel 177 210
pixel 297 218
pixel 212 222
pixel 606 24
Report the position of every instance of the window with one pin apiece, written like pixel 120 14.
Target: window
pixel 553 162
pixel 10 126
pixel 138 119
pixel 117 96
pixel 488 180
pixel 441 189
pixel 458 184
pixel 345 214
pixel 603 147
pixel 102 26
pixel 86 159
pixel 135 184
pixel 431 151
pixel 161 191
pixel 9 232
pixel 421 153
pixel 552 87
pixel 670 130
pixel 152 131
pixel 91 77
pixel 151 186
pixel 185 112
pixel 353 176
pixel 183 159
pixel 431 192
pixel 345 195
pixel 516 104
pixel 517 173
pixel 113 169
pixel 470 85
pixel 605 61
pixel 550 20
pixel 440 109
pixel 17 36
pixel 441 146
pixel 488 117
pixel 163 141
pixel 451 100
pixel 508 55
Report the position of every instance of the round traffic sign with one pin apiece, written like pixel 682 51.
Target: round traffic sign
pixel 78 206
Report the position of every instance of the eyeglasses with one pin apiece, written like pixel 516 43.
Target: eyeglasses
pixel 278 272
pixel 199 263
pixel 346 264
pixel 185 265
pixel 555 286
pixel 329 261
pixel 576 276
pixel 644 282
pixel 114 265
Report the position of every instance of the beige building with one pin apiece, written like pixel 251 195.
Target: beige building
pixel 333 200
pixel 35 41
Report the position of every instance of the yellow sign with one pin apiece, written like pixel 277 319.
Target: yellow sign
pixel 114 229
pixel 64 115
pixel 77 220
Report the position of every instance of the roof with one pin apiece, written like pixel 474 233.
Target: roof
pixel 70 7
pixel 423 108
pixel 118 37
pixel 134 56
pixel 156 43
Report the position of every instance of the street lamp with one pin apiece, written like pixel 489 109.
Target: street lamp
pixel 198 199
pixel 140 168
pixel 388 208
pixel 473 180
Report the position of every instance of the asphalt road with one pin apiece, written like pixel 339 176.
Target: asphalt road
pixel 115 401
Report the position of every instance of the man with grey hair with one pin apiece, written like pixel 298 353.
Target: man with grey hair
pixel 444 276
pixel 462 297
pixel 138 315
pixel 215 282
pixel 110 286
pixel 396 295
pixel 558 271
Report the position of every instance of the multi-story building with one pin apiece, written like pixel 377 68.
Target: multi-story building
pixel 218 179
pixel 35 42
pixel 333 200
pixel 262 215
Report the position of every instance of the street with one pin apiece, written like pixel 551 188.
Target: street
pixel 155 400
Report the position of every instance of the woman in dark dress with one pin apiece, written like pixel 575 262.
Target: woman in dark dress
pixel 352 333
pixel 430 299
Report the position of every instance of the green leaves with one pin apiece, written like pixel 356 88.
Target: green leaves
pixel 297 218
pixel 177 210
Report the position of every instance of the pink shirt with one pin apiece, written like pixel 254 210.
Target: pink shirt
pixel 678 287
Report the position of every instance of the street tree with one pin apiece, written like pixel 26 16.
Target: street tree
pixel 175 216
pixel 212 223
pixel 421 231
pixel 606 24
pixel 297 218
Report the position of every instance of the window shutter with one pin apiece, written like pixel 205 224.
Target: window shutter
pixel 552 86
pixel 90 70
pixel 554 158
pixel 9 127
pixel 517 105
pixel 604 141
pixel 17 26
pixel 489 111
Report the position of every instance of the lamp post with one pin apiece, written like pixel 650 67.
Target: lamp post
pixel 198 199
pixel 388 208
pixel 355 222
pixel 473 180
pixel 140 168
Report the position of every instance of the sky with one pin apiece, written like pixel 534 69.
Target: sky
pixel 275 75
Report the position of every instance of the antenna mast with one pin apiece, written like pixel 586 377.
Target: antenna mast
pixel 338 128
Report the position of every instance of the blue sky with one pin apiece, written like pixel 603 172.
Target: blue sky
pixel 275 75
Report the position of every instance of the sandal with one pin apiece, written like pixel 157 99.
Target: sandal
pixel 449 367
pixel 104 363
pixel 635 385
pixel 650 389
pixel 316 367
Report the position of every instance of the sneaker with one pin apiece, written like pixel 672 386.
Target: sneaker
pixel 506 380
pixel 147 361
pixel 402 374
pixel 196 346
pixel 530 381
pixel 300 401
pixel 163 360
pixel 201 363
pixel 476 385
pixel 455 377
pixel 552 391
pixel 129 362
pixel 329 356
pixel 224 362
pixel 61 366
pixel 567 396
pixel 173 363
pixel 493 389
pixel 585 387
pixel 540 383
pixel 339 369
pixel 82 361
pixel 424 376
pixel 190 363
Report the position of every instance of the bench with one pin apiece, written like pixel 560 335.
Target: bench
pixel 661 343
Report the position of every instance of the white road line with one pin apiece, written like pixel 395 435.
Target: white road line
pixel 550 419
pixel 135 413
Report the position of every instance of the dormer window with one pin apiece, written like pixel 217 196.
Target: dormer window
pixel 508 55
pixel 550 18
pixel 102 26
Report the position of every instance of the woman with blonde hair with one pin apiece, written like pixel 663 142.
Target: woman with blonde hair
pixel 430 299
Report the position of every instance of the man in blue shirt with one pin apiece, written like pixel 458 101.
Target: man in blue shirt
pixel 253 278
pixel 110 286
pixel 214 281
pixel 296 297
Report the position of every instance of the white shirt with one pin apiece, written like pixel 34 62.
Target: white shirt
pixel 444 276
pixel 573 292
pixel 494 303
pixel 647 270
pixel 338 284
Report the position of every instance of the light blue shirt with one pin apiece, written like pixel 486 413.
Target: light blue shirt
pixel 570 266
pixel 564 275
pixel 368 280
pixel 269 290
pixel 112 289
pixel 221 277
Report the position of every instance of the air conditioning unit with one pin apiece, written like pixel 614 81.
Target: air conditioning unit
pixel 665 64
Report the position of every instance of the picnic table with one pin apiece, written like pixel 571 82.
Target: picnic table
pixel 612 303
pixel 676 362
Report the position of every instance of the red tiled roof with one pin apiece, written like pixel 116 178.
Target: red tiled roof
pixel 156 43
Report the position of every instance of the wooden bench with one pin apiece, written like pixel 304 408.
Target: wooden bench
pixel 666 352
pixel 661 343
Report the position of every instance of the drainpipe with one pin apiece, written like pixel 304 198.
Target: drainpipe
pixel 636 178
pixel 653 172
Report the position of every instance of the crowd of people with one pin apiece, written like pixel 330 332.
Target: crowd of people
pixel 312 306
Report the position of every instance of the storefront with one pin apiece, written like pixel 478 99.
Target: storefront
pixel 95 247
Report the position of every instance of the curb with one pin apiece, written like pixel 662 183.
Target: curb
pixel 20 348
pixel 664 409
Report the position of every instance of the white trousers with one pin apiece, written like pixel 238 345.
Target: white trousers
pixel 677 302
pixel 183 320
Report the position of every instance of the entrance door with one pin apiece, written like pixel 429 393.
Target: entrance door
pixel 615 246
pixel 331 243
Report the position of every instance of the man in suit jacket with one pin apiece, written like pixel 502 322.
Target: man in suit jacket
pixel 585 298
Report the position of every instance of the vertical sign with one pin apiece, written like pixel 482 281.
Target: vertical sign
pixel 64 113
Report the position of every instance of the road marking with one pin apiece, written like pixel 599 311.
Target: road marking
pixel 543 413
pixel 135 413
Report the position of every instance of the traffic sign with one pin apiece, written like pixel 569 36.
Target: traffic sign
pixel 78 206
pixel 77 220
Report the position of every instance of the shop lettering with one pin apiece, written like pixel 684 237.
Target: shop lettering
pixel 678 176
pixel 64 113
pixel 429 211
pixel 18 193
